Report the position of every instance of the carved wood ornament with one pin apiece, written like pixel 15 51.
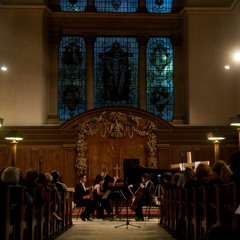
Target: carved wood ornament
pixel 115 125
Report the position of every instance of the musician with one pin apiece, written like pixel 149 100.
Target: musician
pixel 83 197
pixel 107 178
pixel 98 193
pixel 143 197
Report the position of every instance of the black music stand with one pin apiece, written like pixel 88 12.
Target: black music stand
pixel 127 218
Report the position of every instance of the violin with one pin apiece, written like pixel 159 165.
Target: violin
pixel 90 196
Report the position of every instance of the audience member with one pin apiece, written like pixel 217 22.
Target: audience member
pixel 204 175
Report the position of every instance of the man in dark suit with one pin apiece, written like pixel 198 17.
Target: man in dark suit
pixel 83 198
pixel 107 178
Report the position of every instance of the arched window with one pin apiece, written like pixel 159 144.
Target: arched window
pixel 128 6
pixel 160 84
pixel 72 77
pixel 116 71
pixel 159 6
pixel 116 6
pixel 73 5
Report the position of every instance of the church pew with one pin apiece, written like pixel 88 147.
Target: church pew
pixel 18 224
pixel 191 218
pixel 201 212
pixel 13 221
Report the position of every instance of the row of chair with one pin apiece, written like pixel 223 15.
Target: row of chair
pixel 21 221
pixel 192 213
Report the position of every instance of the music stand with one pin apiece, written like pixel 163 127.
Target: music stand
pixel 127 218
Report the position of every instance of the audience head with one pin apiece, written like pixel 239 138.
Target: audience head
pixel 167 177
pixel 221 171
pixel 10 175
pixel 31 175
pixel 189 174
pixel 176 177
pixel 49 177
pixel 42 179
pixel 55 175
pixel 203 173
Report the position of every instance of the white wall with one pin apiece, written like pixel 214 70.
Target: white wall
pixel 23 88
pixel 213 91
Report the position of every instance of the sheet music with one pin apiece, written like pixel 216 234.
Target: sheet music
pixel 114 182
pixel 106 194
pixel 238 210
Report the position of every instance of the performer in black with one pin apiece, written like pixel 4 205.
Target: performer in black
pixel 144 196
pixel 107 178
pixel 98 196
pixel 84 197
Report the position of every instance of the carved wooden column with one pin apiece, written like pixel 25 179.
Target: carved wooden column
pixel 179 83
pixel 90 72
pixel 90 6
pixel 142 6
pixel 142 81
pixel 54 39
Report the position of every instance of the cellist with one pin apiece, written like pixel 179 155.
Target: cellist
pixel 143 197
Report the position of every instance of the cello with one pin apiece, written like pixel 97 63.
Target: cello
pixel 136 197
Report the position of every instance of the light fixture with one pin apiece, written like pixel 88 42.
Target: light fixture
pixel 14 136
pixel 3 68
pixel 1 122
pixel 235 121
pixel 216 137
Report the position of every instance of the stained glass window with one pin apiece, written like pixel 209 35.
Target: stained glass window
pixel 116 71
pixel 72 77
pixel 159 6
pixel 116 5
pixel 160 84
pixel 73 5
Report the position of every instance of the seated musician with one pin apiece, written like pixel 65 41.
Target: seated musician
pixel 107 178
pixel 83 198
pixel 98 193
pixel 143 197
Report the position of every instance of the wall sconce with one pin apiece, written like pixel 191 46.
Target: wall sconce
pixel 216 141
pixel 14 137
pixel 1 122
pixel 235 121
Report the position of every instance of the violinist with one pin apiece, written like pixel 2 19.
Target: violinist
pixel 98 193
pixel 83 197
pixel 143 196
pixel 107 179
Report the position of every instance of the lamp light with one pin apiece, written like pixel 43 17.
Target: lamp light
pixel 214 137
pixel 14 136
pixel 216 141
pixel 235 121
pixel 1 122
